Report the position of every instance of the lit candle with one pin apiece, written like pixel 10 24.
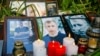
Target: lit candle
pixel 39 48
pixel 38 43
pixel 92 43
pixel 72 50
pixel 60 51
pixel 82 45
pixel 51 47
pixel 82 49
pixel 68 40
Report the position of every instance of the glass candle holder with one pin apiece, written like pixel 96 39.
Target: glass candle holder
pixel 82 45
pixel 93 33
pixel 92 43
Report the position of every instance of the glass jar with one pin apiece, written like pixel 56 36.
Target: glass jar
pixel 19 49
pixel 92 43
pixel 82 45
pixel 93 34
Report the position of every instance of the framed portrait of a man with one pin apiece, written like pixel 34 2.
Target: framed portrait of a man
pixel 77 24
pixel 36 9
pixel 52 8
pixel 51 29
pixel 19 29
pixel 17 6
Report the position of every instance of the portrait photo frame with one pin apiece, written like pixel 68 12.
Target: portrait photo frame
pixel 79 19
pixel 17 6
pixel 52 8
pixel 56 25
pixel 19 29
pixel 36 9
pixel 28 8
pixel 77 24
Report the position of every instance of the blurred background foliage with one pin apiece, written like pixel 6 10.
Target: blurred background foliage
pixel 80 6
pixel 7 10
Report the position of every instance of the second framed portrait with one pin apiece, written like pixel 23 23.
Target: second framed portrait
pixel 36 9
pixel 22 29
pixel 51 28
pixel 52 8
pixel 17 6
pixel 77 24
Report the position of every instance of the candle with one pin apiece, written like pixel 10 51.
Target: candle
pixel 82 49
pixel 68 40
pixel 39 48
pixel 72 50
pixel 51 47
pixel 40 52
pixel 82 45
pixel 60 51
pixel 92 43
pixel 38 43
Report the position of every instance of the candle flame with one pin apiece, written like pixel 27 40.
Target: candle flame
pixel 38 40
pixel 61 46
pixel 69 35
pixel 53 41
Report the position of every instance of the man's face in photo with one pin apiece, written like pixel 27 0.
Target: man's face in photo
pixel 21 24
pixel 79 26
pixel 51 27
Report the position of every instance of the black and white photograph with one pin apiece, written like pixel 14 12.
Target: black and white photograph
pixel 77 23
pixel 52 8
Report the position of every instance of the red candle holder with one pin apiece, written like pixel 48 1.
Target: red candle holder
pixel 82 48
pixel 60 51
pixel 82 45
pixel 52 47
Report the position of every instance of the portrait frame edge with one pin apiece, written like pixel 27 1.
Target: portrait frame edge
pixel 58 21
pixel 68 27
pixel 52 2
pixel 33 25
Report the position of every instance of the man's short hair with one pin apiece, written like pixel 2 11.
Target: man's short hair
pixel 49 21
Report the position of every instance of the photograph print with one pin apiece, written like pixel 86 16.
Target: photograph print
pixel 15 5
pixel 52 29
pixel 18 29
pixel 37 9
pixel 52 8
pixel 77 23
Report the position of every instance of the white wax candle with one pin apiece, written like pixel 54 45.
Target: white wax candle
pixel 39 48
pixel 68 40
pixel 40 52
pixel 72 50
pixel 38 43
